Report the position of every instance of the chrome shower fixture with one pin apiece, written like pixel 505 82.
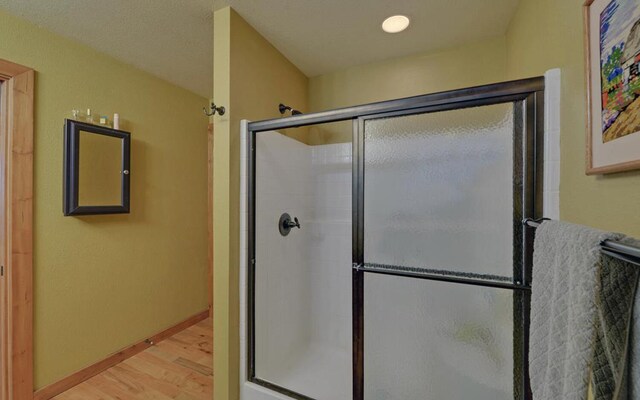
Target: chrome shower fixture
pixel 283 108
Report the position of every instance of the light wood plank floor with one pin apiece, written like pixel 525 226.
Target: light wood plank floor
pixel 178 368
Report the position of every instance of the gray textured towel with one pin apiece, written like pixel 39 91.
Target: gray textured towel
pixel 634 344
pixel 580 315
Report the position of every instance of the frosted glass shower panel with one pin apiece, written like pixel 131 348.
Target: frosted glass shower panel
pixel 439 190
pixel 430 340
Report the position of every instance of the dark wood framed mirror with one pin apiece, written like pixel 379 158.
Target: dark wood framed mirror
pixel 96 169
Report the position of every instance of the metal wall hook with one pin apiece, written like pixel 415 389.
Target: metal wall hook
pixel 214 109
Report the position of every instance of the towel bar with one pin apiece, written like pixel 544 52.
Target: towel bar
pixel 612 248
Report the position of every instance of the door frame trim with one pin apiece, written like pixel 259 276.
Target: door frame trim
pixel 16 217
pixel 210 213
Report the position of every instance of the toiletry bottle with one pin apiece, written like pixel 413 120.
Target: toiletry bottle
pixel 104 120
pixel 89 117
pixel 116 121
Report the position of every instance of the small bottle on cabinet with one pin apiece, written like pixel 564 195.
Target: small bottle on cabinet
pixel 89 117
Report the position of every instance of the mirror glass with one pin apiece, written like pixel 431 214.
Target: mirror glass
pixel 100 169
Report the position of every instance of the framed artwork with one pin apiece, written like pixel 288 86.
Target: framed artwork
pixel 612 40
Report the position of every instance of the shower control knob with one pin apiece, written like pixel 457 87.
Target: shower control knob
pixel 285 224
pixel 294 223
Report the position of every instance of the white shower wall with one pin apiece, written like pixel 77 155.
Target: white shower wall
pixel 303 280
pixel 282 304
pixel 330 245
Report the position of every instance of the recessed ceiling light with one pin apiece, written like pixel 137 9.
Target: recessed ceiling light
pixel 395 24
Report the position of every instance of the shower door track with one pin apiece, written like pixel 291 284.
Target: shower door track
pixel 529 158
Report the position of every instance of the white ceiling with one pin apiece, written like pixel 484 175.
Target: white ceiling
pixel 321 36
pixel 172 39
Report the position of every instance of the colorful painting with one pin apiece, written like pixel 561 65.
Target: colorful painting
pixel 620 69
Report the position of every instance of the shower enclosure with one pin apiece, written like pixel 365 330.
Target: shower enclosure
pixel 386 258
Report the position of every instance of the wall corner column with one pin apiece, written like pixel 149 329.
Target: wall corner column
pixel 225 305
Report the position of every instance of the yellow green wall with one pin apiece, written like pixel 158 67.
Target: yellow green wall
pixel 547 34
pixel 225 311
pixel 544 34
pixel 105 282
pixel 252 77
pixel 468 65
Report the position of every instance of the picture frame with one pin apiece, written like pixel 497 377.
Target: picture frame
pixel 612 61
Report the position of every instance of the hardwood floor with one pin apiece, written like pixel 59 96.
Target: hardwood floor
pixel 178 368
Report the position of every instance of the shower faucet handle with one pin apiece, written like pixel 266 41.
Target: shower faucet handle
pixel 285 224
pixel 293 224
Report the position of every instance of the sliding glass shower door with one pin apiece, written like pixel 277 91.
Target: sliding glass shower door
pixel 429 198
pixel 442 202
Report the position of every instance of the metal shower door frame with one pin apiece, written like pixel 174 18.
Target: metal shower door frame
pixel 528 158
